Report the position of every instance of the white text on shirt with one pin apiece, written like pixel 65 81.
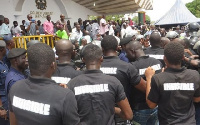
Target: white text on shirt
pixel 178 86
pixel 91 89
pixel 31 106
pixel 109 70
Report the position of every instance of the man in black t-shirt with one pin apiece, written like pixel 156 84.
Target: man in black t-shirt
pixel 126 73
pixel 142 113
pixel 173 90
pixel 97 93
pixel 38 100
pixel 155 51
pixel 65 67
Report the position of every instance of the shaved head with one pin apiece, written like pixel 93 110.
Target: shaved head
pixel 134 44
pixel 178 40
pixel 155 39
pixel 134 50
pixel 164 41
pixel 63 47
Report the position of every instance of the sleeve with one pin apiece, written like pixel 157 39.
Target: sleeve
pixel 120 94
pixel 197 91
pixel 19 28
pixel 154 94
pixel 57 32
pixel 135 78
pixel 9 85
pixel 70 111
pixel 10 102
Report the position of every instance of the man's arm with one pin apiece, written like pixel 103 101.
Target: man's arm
pixel 149 73
pixel 142 85
pixel 196 99
pixel 124 110
pixel 13 120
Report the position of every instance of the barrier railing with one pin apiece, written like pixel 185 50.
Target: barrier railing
pixel 21 42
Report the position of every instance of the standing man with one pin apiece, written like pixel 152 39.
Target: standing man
pixel 17 57
pixel 173 90
pixel 3 98
pixel 65 68
pixel 15 29
pixel 97 93
pixel 48 26
pixel 62 22
pixel 103 27
pixel 4 29
pixel 130 22
pixel 38 100
pixel 95 29
pixel 126 73
pixel 144 115
pixel 78 32
pixel 61 33
pixel 123 42
pixel 10 44
pixel 155 51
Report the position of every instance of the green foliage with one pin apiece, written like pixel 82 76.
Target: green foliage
pixel 136 20
pixel 194 7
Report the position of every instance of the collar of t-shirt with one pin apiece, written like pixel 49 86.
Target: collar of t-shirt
pixel 142 57
pixel 175 70
pixel 64 64
pixel 40 80
pixel 92 71
pixel 111 57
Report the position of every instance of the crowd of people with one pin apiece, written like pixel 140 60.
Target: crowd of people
pixel 106 73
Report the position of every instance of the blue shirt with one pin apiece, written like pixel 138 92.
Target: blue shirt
pixel 12 77
pixel 122 56
pixel 6 60
pixel 3 73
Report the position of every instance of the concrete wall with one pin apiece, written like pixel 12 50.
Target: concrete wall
pixel 18 10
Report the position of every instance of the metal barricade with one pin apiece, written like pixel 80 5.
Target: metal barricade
pixel 21 42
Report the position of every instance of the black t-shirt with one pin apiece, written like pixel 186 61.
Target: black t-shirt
pixel 155 52
pixel 173 91
pixel 40 101
pixel 138 98
pixel 96 95
pixel 65 72
pixel 125 72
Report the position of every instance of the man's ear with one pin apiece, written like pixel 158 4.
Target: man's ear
pixel 53 65
pixel 165 60
pixel 101 59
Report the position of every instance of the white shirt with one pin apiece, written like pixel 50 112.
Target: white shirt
pixel 15 30
pixel 4 29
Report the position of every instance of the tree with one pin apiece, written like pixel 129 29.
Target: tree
pixel 136 20
pixel 194 7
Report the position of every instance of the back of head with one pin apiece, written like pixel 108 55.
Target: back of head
pixel 181 41
pixel 134 44
pixel 63 46
pixel 109 43
pixel 92 53
pixel 40 57
pixel 32 42
pixel 174 53
pixel 164 41
pixel 155 39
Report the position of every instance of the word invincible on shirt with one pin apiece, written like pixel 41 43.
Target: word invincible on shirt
pixel 31 106
pixel 178 86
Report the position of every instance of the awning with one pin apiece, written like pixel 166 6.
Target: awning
pixel 178 14
pixel 115 6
